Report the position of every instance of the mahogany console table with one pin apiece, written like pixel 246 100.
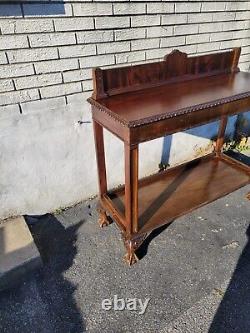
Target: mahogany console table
pixel 144 102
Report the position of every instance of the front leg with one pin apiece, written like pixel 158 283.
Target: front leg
pixel 131 188
pixel 248 196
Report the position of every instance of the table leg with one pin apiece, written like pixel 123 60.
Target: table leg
pixel 101 169
pixel 221 135
pixel 131 199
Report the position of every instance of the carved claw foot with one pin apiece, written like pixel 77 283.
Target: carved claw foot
pixel 131 246
pixel 248 196
pixel 103 220
pixel 130 258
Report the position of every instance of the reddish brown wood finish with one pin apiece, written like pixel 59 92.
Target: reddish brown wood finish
pixel 176 66
pixel 141 103
pixel 100 158
pixel 221 134
pixel 177 191
pixel 131 188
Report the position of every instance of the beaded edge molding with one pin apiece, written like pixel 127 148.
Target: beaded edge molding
pixel 156 118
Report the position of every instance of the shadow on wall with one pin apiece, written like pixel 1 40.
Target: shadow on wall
pixel 45 302
pixel 32 9
pixel 207 131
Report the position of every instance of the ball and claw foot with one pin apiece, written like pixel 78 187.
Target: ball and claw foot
pixel 103 220
pixel 248 196
pixel 130 258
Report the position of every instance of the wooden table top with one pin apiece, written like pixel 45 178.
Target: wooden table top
pixel 173 99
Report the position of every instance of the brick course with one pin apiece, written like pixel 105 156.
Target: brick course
pixel 47 49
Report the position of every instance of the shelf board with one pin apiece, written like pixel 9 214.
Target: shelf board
pixel 179 190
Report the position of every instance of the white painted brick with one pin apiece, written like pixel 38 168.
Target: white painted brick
pixel 92 9
pixel 26 26
pixel 6 85
pixel 144 44
pixel 247 25
pixel 128 34
pixel 130 57
pixel 172 41
pixel 40 105
pixel 47 9
pixel 204 26
pixel 194 39
pixel 237 25
pixel 210 27
pixel 56 66
pixel 213 6
pixel 97 36
pixel 36 81
pixel 7 26
pixel 7 71
pixel 230 44
pixel 159 31
pixel 244 58
pixel 113 47
pixel 189 49
pixel 206 47
pixel 75 23
pixel 242 34
pixel 246 50
pixel 245 42
pixel 200 18
pixel 20 96
pixel 97 61
pixel 145 20
pixel 129 8
pixel 31 55
pixel 186 29
pixel 53 39
pixel 126 64
pixel 77 75
pixel 238 5
pixel 242 15
pixel 154 8
pixel 10 10
pixel 13 42
pixel 3 59
pixel 220 36
pixel 223 16
pixel 87 85
pixel 77 51
pixel 174 19
pixel 60 90
pixel 187 7
pixel 112 22
pixel 157 53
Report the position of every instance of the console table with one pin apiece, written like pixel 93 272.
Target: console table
pixel 143 102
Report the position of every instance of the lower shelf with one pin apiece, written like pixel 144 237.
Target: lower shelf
pixel 172 193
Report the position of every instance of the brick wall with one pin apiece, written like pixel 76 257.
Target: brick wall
pixel 47 49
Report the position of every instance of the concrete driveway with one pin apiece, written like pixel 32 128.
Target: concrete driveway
pixel 196 273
